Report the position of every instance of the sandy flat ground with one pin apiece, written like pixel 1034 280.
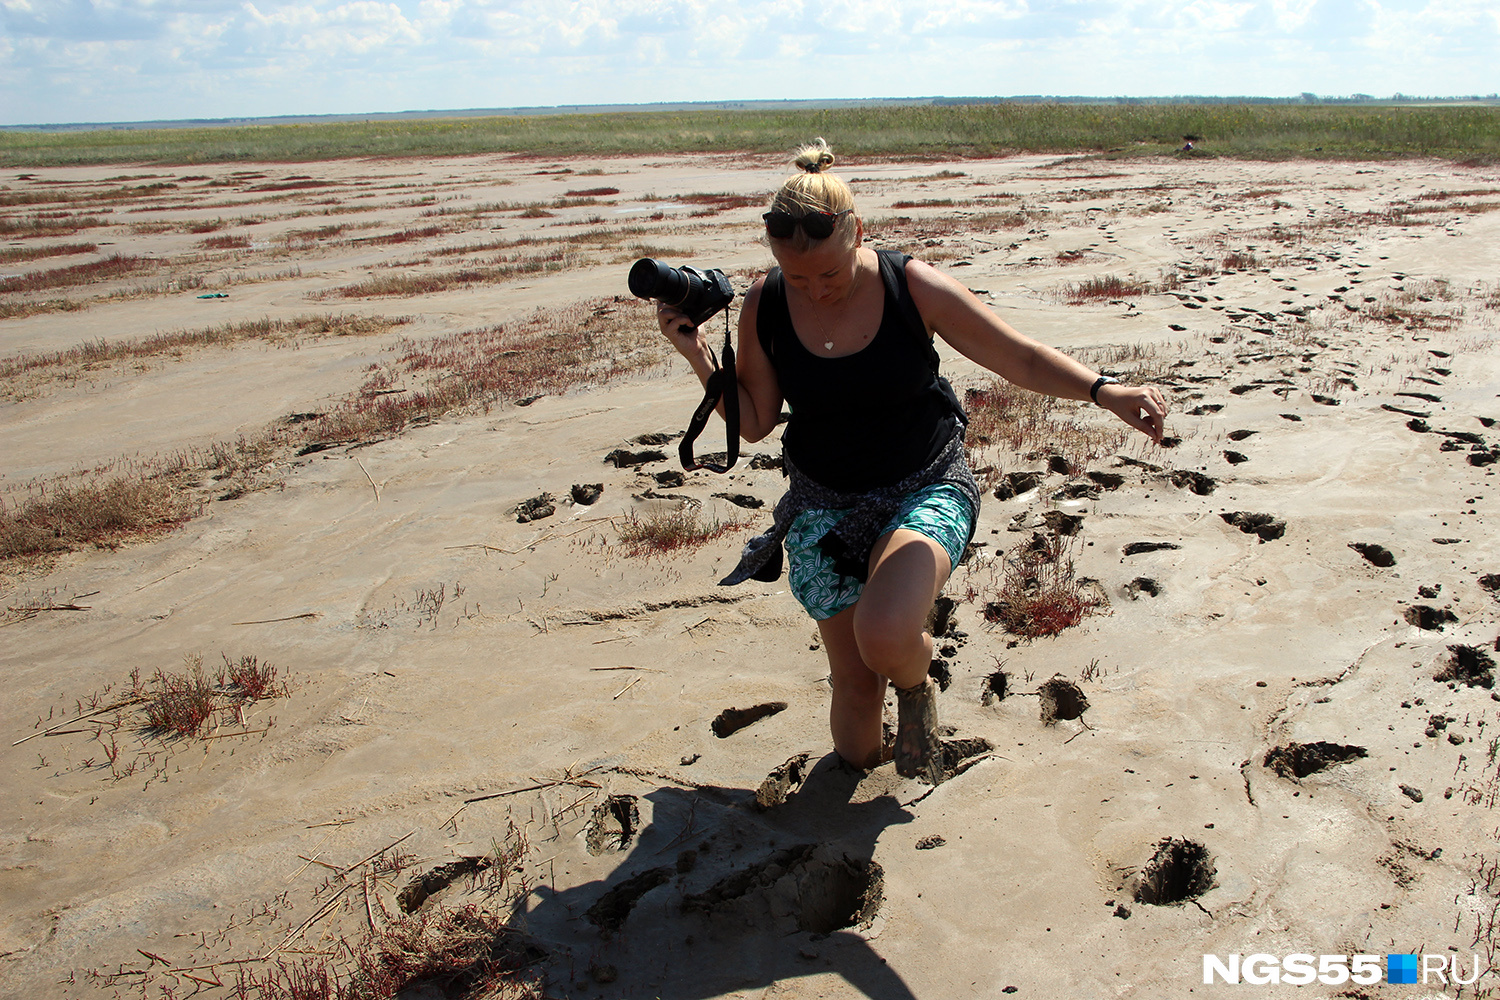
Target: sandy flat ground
pixel 473 684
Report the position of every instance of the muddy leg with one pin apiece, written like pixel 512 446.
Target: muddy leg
pixel 919 751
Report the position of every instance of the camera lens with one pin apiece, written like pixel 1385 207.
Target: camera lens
pixel 651 279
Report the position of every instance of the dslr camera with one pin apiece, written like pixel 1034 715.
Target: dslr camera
pixel 697 293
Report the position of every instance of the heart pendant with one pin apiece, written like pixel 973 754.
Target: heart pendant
pixel 827 345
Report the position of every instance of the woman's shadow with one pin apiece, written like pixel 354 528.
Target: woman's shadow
pixel 718 893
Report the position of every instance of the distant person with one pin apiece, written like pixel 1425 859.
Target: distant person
pixel 881 503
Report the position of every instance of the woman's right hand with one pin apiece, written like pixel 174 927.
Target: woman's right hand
pixel 679 330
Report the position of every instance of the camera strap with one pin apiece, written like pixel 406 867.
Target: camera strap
pixel 721 383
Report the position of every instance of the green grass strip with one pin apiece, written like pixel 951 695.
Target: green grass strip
pixel 1252 131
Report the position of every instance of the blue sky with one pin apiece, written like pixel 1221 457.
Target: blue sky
pixel 128 60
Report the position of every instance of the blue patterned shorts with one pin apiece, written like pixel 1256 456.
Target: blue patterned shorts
pixel 941 512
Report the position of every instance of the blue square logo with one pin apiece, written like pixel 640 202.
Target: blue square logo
pixel 1401 968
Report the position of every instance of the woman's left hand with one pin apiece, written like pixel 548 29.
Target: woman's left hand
pixel 1142 407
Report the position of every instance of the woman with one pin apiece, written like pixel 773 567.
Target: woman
pixel 882 502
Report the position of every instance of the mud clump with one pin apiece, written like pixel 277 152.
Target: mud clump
pixel 1180 870
pixel 1428 618
pixel 732 720
pixel 611 909
pixel 535 509
pixel 1469 665
pixel 1298 760
pixel 1061 699
pixel 783 781
pixel 587 494
pixel 613 824
pixel 1266 526
pixel 418 890
pixel 1376 555
pixel 809 888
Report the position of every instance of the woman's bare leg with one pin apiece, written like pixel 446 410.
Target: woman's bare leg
pixel 858 694
pixel 907 570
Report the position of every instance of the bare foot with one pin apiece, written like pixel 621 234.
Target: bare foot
pixel 919 752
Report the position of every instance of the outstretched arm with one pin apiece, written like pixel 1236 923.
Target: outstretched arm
pixel 952 311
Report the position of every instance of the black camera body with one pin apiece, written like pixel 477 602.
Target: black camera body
pixel 697 293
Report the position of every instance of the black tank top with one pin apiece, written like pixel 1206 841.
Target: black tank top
pixel 867 419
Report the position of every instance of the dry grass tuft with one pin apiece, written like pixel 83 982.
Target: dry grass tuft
pixel 1039 594
pixel 111 267
pixel 663 531
pixel 59 517
pixel 16 255
pixel 1031 424
pixel 68 363
pixel 1106 288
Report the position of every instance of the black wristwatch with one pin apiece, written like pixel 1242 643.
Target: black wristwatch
pixel 1099 383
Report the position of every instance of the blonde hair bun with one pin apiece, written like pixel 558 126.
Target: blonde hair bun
pixel 815 157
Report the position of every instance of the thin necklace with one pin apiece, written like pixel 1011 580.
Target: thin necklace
pixel 828 344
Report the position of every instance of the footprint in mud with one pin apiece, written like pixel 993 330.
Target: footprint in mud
pixel 1378 555
pixel 1235 457
pixel 1108 480
pixel 1428 618
pixel 783 781
pixel 1142 585
pixel 1205 409
pixel 810 887
pixel 1240 435
pixel 418 890
pixel 613 824
pixel 1062 525
pixel 623 458
pixel 1491 582
pixel 1195 481
pixel 1266 526
pixel 996 687
pixel 732 720
pixel 961 754
pixel 611 909
pixel 939 672
pixel 1138 548
pixel 1013 484
pixel 655 439
pixel 1298 760
pixel 744 500
pixel 1468 665
pixel 1078 491
pixel 940 618
pixel 1061 699
pixel 1180 870
pixel 670 478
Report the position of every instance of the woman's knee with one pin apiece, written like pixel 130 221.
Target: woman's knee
pixel 891 648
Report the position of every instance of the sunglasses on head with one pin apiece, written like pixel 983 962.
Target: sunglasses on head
pixel 817 225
